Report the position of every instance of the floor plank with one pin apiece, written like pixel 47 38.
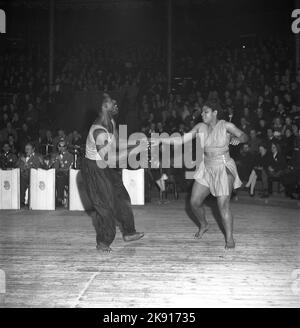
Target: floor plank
pixel 50 260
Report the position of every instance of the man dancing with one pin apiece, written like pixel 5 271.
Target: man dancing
pixel 108 196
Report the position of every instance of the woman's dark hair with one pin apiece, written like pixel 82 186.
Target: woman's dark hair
pixel 277 147
pixel 215 106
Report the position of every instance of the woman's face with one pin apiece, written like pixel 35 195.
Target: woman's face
pixel 208 115
pixel 273 148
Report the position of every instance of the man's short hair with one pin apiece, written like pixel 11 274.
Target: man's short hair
pixel 29 143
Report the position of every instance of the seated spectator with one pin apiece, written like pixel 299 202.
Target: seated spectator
pixel 253 142
pixel 9 130
pixel 47 143
pixel 295 130
pixel 291 178
pixel 245 162
pixel 287 124
pixel 75 138
pixel 31 115
pixel 276 166
pixel 288 144
pixel 30 160
pixel 262 129
pixel 61 162
pixel 25 136
pixel 16 122
pixel 277 124
pixel 12 144
pixel 245 125
pixel 259 172
pixel 270 138
pixel 278 139
pixel 8 159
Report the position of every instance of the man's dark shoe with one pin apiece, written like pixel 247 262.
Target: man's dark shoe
pixel 133 237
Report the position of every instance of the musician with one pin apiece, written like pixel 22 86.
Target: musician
pixel 31 160
pixel 62 162
pixel 8 159
pixel 47 143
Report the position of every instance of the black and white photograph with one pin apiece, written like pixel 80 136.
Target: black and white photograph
pixel 149 156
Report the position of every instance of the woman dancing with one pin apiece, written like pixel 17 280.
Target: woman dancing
pixel 105 189
pixel 217 173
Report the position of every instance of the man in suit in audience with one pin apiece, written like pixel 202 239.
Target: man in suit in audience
pixel 8 159
pixel 31 160
pixel 61 162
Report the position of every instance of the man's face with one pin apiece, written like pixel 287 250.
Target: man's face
pixel 62 147
pixel 252 134
pixel 246 148
pixel 270 133
pixel 28 150
pixel 262 123
pixel 114 107
pixel 111 106
pixel 6 148
pixel 262 150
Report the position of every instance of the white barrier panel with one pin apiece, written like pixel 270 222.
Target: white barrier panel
pixel 10 189
pixel 42 189
pixel 134 182
pixel 78 198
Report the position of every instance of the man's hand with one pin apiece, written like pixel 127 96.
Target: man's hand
pixel 154 142
pixel 142 146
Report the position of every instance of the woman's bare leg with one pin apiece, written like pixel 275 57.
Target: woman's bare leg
pixel 199 193
pixel 252 174
pixel 227 219
pixel 253 184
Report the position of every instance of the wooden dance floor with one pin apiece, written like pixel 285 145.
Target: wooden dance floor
pixel 50 260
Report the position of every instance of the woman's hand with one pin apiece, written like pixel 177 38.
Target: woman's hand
pixel 234 141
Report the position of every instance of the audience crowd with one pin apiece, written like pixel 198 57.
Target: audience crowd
pixel 257 86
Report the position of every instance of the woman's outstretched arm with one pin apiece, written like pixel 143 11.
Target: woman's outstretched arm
pixel 239 135
pixel 179 140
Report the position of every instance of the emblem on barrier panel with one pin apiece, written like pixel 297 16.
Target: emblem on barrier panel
pixel 6 185
pixel 42 185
